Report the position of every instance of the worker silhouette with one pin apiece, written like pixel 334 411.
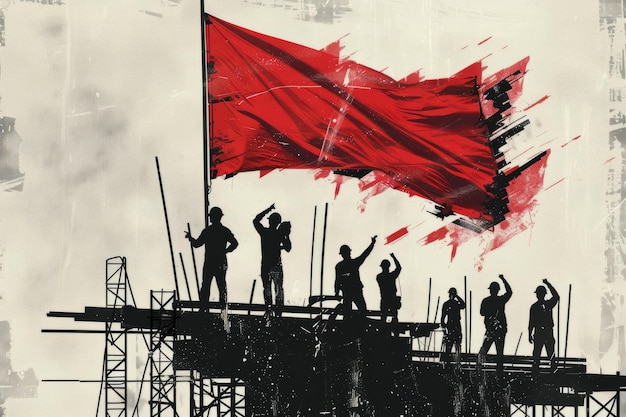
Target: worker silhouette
pixel 541 325
pixel 389 300
pixel 274 239
pixel 451 324
pixel 218 240
pixel 348 280
pixel 492 308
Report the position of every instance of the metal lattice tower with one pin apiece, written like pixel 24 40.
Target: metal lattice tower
pixel 115 377
pixel 162 371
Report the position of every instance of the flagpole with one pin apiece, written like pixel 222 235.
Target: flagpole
pixel 205 132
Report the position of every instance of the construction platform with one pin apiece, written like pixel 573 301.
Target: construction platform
pixel 312 362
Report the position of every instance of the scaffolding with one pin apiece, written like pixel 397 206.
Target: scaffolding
pixel 115 364
pixel 162 371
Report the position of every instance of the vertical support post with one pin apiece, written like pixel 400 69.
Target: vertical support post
pixel 617 397
pixel 430 285
pixel 162 371
pixel 205 112
pixel 201 396
pixel 182 264
pixel 323 252
pixel 193 259
pixel 469 338
pixel 115 376
pixel 465 312
pixel 312 254
pixel 167 225
pixel 558 329
pixel 569 302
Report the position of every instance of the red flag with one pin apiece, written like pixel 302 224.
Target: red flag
pixel 275 104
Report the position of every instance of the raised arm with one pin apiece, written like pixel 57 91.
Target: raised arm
pixel 395 261
pixel 257 220
pixel 508 292
pixel 361 258
pixel 555 295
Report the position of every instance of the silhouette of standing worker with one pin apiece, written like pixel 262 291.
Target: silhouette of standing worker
pixel 273 239
pixel 348 280
pixel 389 301
pixel 540 325
pixel 218 240
pixel 492 308
pixel 451 323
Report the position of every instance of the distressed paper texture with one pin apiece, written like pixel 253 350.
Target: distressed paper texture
pixel 99 89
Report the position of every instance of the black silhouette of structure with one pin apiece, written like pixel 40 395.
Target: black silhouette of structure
pixel 312 362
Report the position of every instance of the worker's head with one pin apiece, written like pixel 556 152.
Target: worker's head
pixel 344 251
pixel 274 220
pixel 452 292
pixel 494 288
pixel 541 292
pixel 385 264
pixel 215 214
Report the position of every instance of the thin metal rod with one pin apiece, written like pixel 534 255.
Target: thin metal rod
pixel 558 329
pixel 205 115
pixel 312 253
pixel 436 309
pixel 430 337
pixel 469 336
pixel 167 225
pixel 430 284
pixel 617 397
pixel 465 312
pixel 323 253
pixel 252 294
pixel 182 263
pixel 569 300
pixel 518 340
pixel 193 259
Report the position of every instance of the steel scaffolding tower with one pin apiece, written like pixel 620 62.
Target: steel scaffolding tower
pixel 115 369
pixel 162 371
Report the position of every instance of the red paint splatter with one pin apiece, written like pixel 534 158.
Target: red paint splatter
pixel 397 235
pixel 608 160
pixel 541 100
pixel 483 41
pixel 522 193
pixel 264 172
pixel 435 236
pixel 339 180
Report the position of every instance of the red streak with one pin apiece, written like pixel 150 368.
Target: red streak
pixel 559 181
pixel 397 235
pixel 568 142
pixel 541 100
pixel 481 42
